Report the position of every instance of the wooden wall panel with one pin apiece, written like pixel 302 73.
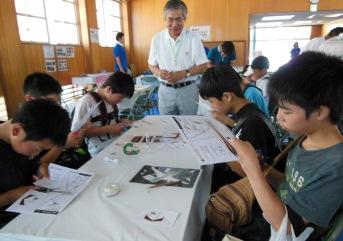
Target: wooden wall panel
pixel 316 31
pixel 34 61
pixel 11 57
pixel 229 19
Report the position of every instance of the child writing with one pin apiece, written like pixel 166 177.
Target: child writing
pixel 22 138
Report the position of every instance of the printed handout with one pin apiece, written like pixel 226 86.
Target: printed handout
pixel 207 137
pixel 166 176
pixel 52 195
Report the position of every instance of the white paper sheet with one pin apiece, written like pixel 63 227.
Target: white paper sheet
pixel 56 193
pixel 77 125
pixel 203 135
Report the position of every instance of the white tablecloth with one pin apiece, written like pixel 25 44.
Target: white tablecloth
pixel 93 217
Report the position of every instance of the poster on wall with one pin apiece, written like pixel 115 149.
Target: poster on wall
pixel 203 31
pixel 61 51
pixel 94 35
pixel 62 65
pixel 50 65
pixel 48 52
pixel 70 52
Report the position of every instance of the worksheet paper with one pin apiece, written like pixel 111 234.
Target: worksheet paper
pixel 202 134
pixel 54 194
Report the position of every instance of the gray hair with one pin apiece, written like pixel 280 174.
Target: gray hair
pixel 175 5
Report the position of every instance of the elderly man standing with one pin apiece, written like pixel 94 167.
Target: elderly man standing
pixel 177 56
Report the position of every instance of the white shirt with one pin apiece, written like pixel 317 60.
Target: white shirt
pixel 176 55
pixel 262 83
pixel 95 143
pixel 333 46
pixel 313 44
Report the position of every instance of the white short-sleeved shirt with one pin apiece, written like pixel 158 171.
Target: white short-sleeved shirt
pixel 313 44
pixel 333 46
pixel 95 143
pixel 262 83
pixel 187 48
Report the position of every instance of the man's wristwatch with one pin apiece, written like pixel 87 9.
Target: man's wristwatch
pixel 188 73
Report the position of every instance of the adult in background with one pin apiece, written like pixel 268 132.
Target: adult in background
pixel 120 54
pixel 222 54
pixel 333 46
pixel 295 50
pixel 313 44
pixel 177 56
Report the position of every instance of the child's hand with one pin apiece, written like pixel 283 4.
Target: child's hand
pixel 43 172
pixel 16 193
pixel 222 118
pixel 73 140
pixel 126 122
pixel 247 156
pixel 115 129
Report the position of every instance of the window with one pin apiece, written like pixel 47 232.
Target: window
pixel 109 21
pixel 47 21
pixel 277 43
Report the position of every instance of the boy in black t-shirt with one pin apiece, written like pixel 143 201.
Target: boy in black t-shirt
pixel 22 138
pixel 220 85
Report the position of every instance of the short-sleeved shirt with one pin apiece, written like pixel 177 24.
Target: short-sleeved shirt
pixel 262 83
pixel 313 44
pixel 216 58
pixel 16 170
pixel 256 131
pixel 295 52
pixel 182 53
pixel 254 95
pixel 333 46
pixel 313 185
pixel 119 51
pixel 95 143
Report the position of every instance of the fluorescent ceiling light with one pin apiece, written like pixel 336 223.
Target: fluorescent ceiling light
pixel 268 24
pixel 312 16
pixel 334 15
pixel 302 22
pixel 273 18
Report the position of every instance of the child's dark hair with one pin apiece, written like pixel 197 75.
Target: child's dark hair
pixel 119 36
pixel 41 84
pixel 260 62
pixel 219 79
pixel 310 80
pixel 228 47
pixel 43 119
pixel 120 83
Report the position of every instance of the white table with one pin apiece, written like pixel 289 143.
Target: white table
pixel 93 217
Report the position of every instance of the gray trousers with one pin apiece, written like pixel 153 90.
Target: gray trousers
pixel 181 101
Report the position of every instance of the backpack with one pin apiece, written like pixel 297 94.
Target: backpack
pixel 259 115
pixel 104 117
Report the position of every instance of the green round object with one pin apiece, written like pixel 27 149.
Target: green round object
pixel 130 149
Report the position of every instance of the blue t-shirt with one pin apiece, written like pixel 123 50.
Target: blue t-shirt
pixel 206 50
pixel 119 51
pixel 216 58
pixel 254 95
